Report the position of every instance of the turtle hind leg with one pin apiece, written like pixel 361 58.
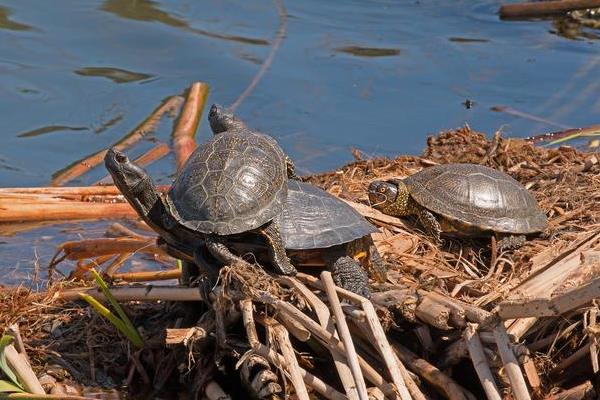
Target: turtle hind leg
pixel 510 242
pixel 430 223
pixel 280 260
pixel 376 265
pixel 365 252
pixel 347 273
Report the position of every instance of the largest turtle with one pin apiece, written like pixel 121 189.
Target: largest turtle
pixel 235 182
pixel 463 200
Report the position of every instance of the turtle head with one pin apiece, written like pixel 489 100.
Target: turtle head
pixel 222 119
pixel 390 197
pixel 133 182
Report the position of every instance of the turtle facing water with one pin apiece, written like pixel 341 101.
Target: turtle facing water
pixel 463 200
pixel 235 182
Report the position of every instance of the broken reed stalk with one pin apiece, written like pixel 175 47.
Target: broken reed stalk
pixel 314 382
pixel 544 8
pixel 324 317
pixel 344 332
pixel 293 368
pixel 480 363
pixel 14 331
pixel 76 250
pixel 592 330
pixel 136 293
pixel 18 207
pixel 80 167
pixel 154 154
pixel 146 276
pixel 385 350
pixel 511 365
pixel 184 142
pixel 19 365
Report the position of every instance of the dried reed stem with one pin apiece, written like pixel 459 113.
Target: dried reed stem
pixel 511 365
pixel 480 362
pixel 342 328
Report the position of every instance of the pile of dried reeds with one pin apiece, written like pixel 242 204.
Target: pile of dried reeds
pixel 460 322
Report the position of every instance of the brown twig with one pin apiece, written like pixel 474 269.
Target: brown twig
pixel 480 363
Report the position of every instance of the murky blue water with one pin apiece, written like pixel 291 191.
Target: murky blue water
pixel 376 75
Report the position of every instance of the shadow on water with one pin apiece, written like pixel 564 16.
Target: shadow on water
pixel 368 51
pixel 116 75
pixel 147 10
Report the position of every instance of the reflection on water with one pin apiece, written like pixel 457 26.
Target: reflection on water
pixel 7 23
pixel 147 10
pixel 368 51
pixel 51 128
pixel 467 40
pixel 116 75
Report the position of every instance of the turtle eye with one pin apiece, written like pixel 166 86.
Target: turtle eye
pixel 382 190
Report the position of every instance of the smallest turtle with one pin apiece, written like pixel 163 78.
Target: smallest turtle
pixel 465 200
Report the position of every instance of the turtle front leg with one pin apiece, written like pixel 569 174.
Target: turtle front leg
pixel 272 233
pixel 218 250
pixel 430 223
pixel 511 242
pixel 347 273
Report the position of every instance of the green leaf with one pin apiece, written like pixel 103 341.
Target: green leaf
pixel 132 333
pixel 5 341
pixel 9 387
pixel 106 313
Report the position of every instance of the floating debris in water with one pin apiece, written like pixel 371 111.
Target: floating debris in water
pixel 368 51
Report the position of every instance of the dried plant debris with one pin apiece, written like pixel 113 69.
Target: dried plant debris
pixel 453 314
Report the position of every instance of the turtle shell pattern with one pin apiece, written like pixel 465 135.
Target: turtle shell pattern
pixel 234 182
pixel 481 197
pixel 313 219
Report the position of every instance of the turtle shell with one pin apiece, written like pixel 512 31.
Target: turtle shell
pixel 313 219
pixel 234 182
pixel 482 197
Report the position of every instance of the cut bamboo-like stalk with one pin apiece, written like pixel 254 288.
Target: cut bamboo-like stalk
pixel 511 365
pixel 385 350
pixel 292 363
pixel 324 317
pixel 480 362
pixel 76 250
pixel 19 365
pixel 82 166
pixel 145 276
pixel 187 125
pixel 15 332
pixel 137 293
pixel 344 332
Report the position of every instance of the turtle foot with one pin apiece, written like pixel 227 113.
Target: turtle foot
pixel 349 274
pixel 511 242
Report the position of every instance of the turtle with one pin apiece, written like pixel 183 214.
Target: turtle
pixel 235 182
pixel 464 200
pixel 318 228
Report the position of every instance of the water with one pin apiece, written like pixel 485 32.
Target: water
pixel 375 75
